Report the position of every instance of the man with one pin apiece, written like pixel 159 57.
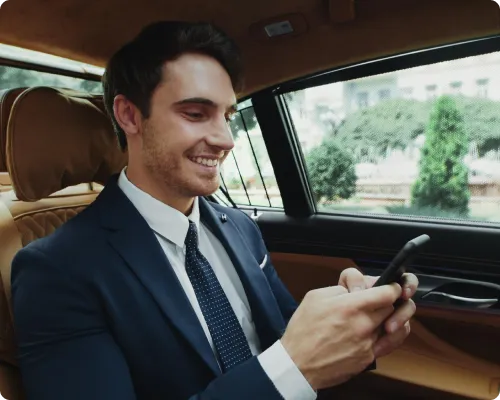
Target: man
pixel 154 293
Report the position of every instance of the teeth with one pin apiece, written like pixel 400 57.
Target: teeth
pixel 206 161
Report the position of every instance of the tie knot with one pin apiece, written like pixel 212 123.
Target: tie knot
pixel 192 236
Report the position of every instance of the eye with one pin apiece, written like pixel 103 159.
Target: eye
pixel 194 115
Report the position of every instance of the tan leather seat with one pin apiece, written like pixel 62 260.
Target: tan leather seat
pixel 7 98
pixel 55 143
pixel 10 382
pixel 5 183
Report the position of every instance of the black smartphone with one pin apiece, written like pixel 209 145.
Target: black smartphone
pixel 394 272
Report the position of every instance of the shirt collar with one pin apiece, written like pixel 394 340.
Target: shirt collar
pixel 163 219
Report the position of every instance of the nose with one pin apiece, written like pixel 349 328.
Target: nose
pixel 220 135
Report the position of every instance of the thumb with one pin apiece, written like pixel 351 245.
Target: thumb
pixel 352 279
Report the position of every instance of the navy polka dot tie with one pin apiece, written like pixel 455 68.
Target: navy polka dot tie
pixel 228 337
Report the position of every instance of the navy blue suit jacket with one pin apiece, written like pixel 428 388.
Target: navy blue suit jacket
pixel 99 313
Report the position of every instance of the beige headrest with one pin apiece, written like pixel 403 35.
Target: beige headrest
pixel 58 138
pixel 7 98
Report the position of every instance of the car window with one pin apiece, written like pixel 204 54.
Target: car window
pixel 421 141
pixel 13 77
pixel 247 174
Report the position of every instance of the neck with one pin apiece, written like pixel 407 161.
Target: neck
pixel 144 181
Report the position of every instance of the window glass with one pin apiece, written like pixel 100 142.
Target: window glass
pixel 423 141
pixel 482 88
pixel 247 174
pixel 431 91
pixel 384 94
pixel 11 77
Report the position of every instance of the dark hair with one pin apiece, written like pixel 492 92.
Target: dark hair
pixel 135 70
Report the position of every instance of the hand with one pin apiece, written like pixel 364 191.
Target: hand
pixel 397 326
pixel 331 335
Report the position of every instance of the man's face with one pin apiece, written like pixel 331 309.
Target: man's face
pixel 186 137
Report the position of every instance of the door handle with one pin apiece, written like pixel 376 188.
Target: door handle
pixel 442 297
pixel 450 291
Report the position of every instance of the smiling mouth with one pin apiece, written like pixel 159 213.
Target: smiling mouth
pixel 206 162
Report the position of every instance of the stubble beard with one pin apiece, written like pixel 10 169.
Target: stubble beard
pixel 166 168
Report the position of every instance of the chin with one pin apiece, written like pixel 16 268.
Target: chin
pixel 205 188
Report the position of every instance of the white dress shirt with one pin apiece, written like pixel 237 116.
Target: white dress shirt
pixel 170 227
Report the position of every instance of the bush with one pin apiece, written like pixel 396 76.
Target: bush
pixel 443 178
pixel 332 172
pixel 395 123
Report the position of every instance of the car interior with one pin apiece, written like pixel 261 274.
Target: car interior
pixel 58 149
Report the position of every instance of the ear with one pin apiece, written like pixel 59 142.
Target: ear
pixel 127 115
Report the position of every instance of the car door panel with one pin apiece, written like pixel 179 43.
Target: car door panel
pixel 453 347
pixel 442 353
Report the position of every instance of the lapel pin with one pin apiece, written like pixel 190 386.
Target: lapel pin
pixel 223 218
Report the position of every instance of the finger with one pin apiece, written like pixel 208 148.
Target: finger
pixel 410 286
pixel 375 337
pixel 352 279
pixel 370 280
pixel 370 324
pixel 328 291
pixel 377 297
pixel 401 316
pixel 379 316
pixel 334 291
pixel 388 343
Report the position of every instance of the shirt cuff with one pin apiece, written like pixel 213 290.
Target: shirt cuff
pixel 284 374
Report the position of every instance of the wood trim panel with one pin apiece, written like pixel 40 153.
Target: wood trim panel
pixel 425 359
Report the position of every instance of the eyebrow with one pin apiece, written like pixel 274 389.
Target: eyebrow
pixel 207 102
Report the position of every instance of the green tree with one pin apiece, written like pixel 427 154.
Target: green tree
pixel 91 86
pixel 325 118
pixel 481 121
pixel 11 77
pixel 332 172
pixel 245 118
pixel 392 123
pixel 396 123
pixel 443 177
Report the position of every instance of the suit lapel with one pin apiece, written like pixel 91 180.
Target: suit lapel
pixel 268 319
pixel 132 238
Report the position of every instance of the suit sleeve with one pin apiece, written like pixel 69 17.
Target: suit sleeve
pixel 65 350
pixel 286 302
